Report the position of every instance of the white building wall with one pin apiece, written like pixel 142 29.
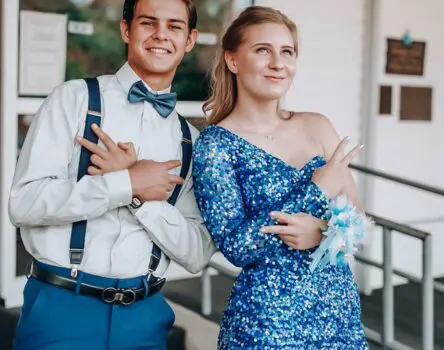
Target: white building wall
pixel 410 149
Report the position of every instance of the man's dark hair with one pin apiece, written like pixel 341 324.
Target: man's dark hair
pixel 130 5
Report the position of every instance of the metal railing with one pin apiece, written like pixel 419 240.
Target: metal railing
pixel 398 179
pixel 387 338
pixel 428 285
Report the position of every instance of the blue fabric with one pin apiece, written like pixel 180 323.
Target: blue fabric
pixel 53 318
pixel 164 104
pixel 276 301
pixel 187 150
pixel 94 104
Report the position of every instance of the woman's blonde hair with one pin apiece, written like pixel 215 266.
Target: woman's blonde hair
pixel 223 82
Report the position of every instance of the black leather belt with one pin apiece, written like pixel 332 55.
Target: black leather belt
pixel 110 295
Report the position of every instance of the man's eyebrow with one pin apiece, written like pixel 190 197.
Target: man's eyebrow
pixel 153 18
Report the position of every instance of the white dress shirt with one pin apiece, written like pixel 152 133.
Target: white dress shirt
pixel 46 198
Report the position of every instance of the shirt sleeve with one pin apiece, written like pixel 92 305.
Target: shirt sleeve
pixel 178 230
pixel 42 192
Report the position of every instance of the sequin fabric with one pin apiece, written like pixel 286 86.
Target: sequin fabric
pixel 276 302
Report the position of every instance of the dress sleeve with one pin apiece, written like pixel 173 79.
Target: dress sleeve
pixel 315 202
pixel 236 234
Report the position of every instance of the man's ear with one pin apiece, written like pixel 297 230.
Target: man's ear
pixel 124 31
pixel 191 41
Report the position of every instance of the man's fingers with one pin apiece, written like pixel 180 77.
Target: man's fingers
pixel 127 147
pixel 124 146
pixel 92 147
pixel 104 137
pixel 283 218
pixel 174 179
pixel 352 154
pixel 171 164
pixel 98 162
pixel 339 151
pixel 94 171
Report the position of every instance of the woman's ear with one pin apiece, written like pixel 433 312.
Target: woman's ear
pixel 230 60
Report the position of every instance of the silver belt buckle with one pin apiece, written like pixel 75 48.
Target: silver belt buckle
pixel 113 295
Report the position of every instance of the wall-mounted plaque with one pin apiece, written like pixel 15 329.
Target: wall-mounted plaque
pixel 416 103
pixel 385 100
pixel 405 59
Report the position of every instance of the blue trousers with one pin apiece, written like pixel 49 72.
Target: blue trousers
pixel 54 318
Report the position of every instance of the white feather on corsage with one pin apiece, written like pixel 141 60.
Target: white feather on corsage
pixel 345 232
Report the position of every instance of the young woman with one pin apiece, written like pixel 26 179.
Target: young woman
pixel 261 175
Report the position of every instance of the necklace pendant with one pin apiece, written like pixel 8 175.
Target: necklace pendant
pixel 269 137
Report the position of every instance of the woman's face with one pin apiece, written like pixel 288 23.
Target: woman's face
pixel 265 62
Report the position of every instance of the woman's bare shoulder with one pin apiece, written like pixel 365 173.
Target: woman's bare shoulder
pixel 312 122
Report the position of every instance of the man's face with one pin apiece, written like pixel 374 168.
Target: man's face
pixel 158 37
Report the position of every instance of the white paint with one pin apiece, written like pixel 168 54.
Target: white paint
pixel 10 285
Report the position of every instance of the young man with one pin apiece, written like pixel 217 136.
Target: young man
pixel 104 293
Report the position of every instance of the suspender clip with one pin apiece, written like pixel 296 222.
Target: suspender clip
pixel 75 258
pixel 74 271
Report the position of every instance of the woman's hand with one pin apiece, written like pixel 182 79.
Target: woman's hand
pixel 332 177
pixel 299 231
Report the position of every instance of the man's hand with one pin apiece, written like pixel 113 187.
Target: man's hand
pixel 151 180
pixel 115 157
pixel 300 231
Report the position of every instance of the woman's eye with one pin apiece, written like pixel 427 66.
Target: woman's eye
pixel 262 50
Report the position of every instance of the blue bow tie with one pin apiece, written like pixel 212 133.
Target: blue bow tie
pixel 164 103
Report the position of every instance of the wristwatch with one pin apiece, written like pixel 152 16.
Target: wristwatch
pixel 136 203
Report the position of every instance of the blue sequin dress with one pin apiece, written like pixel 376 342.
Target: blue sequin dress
pixel 276 302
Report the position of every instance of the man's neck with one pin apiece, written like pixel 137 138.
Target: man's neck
pixel 157 82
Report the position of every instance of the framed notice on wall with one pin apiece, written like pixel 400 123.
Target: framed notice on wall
pixel 405 59
pixel 42 52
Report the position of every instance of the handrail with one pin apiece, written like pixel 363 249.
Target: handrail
pixel 398 179
pixel 394 226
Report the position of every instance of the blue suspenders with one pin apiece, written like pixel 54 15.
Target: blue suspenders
pixel 94 116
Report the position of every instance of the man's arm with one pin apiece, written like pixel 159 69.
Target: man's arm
pixel 178 230
pixel 42 192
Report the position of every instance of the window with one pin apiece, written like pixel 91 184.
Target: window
pixel 103 52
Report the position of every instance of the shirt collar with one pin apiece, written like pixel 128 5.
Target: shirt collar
pixel 127 77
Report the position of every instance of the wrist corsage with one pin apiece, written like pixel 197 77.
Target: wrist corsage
pixel 344 233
